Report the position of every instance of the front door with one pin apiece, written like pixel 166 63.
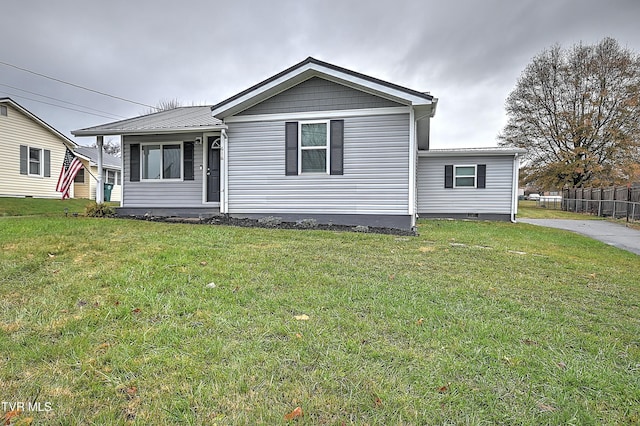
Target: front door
pixel 213 169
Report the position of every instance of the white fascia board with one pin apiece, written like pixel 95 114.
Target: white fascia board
pixel 318 115
pixel 471 152
pixel 116 132
pixel 311 70
pixel 377 88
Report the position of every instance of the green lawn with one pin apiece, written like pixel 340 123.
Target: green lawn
pixel 530 209
pixel 42 206
pixel 128 322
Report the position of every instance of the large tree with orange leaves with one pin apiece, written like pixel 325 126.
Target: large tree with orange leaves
pixel 577 112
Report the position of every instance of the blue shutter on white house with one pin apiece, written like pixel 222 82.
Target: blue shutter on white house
pixel 482 176
pixel 291 148
pixel 24 156
pixel 336 143
pixel 448 176
pixel 134 162
pixel 188 161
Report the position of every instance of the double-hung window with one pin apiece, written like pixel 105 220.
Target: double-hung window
pixel 314 145
pixel 464 176
pixel 35 161
pixel 111 176
pixel 162 161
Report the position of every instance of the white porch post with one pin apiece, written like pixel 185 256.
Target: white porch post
pixel 100 186
pixel 224 199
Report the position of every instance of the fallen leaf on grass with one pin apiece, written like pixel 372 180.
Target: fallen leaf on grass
pixel 10 415
pixel 443 389
pixel 203 263
pixel 420 321
pixel 529 342
pixel 51 255
pixel 211 285
pixel 546 408
pixel 298 336
pixel 296 413
pixel 561 365
pixel 392 277
pixel 136 310
pixel 426 249
pixel 303 317
pixel 377 402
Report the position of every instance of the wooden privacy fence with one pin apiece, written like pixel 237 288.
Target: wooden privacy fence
pixel 621 202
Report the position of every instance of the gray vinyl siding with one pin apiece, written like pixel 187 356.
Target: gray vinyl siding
pixel 434 198
pixel 375 180
pixel 163 193
pixel 317 94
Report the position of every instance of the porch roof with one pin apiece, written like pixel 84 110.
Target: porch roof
pixel 181 119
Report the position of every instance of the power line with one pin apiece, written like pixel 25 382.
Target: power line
pixel 60 100
pixel 59 106
pixel 76 85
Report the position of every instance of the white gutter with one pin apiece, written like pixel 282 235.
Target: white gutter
pixel 514 187
pixel 119 132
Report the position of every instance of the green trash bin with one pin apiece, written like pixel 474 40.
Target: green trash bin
pixel 107 191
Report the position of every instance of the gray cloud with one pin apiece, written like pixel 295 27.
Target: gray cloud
pixel 467 53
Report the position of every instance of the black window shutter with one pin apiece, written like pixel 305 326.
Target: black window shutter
pixel 291 148
pixel 47 163
pixel 134 163
pixel 24 155
pixel 188 161
pixel 337 147
pixel 448 176
pixel 482 176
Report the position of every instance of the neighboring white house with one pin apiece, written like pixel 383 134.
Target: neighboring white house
pixel 315 141
pixel 85 182
pixel 32 153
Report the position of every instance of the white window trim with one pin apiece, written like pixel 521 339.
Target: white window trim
pixel 326 147
pixel 115 176
pixel 162 179
pixel 40 162
pixel 475 175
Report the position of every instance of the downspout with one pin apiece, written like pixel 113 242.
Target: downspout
pixel 412 166
pixel 514 188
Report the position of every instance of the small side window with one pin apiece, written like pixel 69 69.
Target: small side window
pixel 3 110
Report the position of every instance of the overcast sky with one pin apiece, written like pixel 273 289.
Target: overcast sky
pixel 467 53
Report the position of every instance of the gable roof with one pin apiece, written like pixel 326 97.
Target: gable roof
pixel 312 67
pixel 181 119
pixel 8 101
pixel 91 154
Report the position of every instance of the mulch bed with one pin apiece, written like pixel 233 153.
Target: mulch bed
pixel 275 223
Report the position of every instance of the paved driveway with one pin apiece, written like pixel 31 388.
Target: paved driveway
pixel 611 233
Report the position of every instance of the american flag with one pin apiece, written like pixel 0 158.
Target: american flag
pixel 70 168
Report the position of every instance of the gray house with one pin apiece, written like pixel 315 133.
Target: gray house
pixel 314 141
